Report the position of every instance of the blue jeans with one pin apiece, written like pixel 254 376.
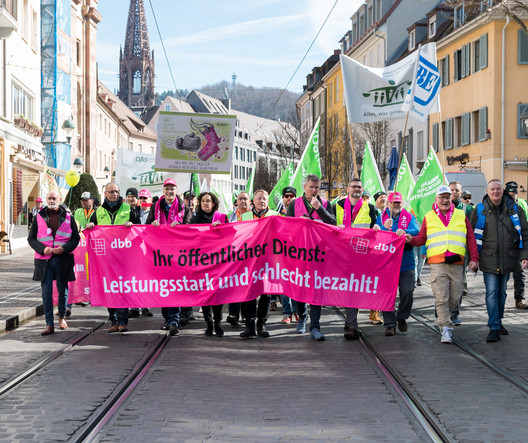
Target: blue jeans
pixel 288 305
pixel 173 316
pixel 495 298
pixel 315 314
pixel 118 316
pixel 53 273
pixel 419 262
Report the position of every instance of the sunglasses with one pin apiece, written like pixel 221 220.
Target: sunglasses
pixel 289 196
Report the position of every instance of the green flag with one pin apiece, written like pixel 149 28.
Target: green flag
pixel 284 180
pixel 405 182
pixel 251 179
pixel 370 176
pixel 195 184
pixel 227 199
pixel 334 201
pixel 424 191
pixel 309 162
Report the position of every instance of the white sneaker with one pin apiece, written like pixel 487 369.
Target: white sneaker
pixel 447 335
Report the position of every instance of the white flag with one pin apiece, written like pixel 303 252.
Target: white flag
pixel 374 94
pixel 425 88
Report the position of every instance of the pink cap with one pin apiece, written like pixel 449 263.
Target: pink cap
pixel 395 197
pixel 170 182
pixel 145 193
pixel 38 200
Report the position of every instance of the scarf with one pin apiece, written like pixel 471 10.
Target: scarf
pixel 349 214
pixel 257 214
pixel 201 217
pixel 404 218
pixel 444 218
pixel 174 214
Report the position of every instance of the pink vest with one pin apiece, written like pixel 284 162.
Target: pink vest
pixel 300 208
pixel 218 216
pixel 62 236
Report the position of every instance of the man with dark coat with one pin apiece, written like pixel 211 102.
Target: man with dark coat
pixel 54 236
pixel 501 231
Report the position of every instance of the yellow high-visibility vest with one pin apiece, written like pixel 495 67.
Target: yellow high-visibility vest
pixel 441 238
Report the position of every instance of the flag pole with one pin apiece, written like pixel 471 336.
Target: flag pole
pixel 441 140
pixel 353 150
pixel 400 154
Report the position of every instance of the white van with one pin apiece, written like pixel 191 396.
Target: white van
pixel 471 181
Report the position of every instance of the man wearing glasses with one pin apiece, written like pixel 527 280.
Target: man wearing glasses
pixel 447 234
pixel 114 212
pixel 288 195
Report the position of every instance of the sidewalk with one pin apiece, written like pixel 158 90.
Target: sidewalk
pixel 20 296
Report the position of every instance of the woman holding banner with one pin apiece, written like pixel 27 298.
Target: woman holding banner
pixel 207 213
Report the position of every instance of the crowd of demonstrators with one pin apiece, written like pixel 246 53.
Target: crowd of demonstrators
pixel 491 236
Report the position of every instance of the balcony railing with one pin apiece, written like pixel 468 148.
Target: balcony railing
pixel 11 7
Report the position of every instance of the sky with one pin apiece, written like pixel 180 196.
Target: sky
pixel 261 41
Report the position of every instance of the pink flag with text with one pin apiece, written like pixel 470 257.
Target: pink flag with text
pixel 200 265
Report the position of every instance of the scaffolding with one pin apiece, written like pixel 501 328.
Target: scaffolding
pixel 55 77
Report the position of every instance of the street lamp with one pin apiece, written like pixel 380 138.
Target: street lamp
pixel 68 126
pixel 78 163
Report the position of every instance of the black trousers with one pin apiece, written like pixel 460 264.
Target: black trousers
pixel 518 283
pixel 260 314
pixel 212 312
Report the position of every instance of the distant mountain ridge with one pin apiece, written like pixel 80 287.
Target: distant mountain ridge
pixel 255 101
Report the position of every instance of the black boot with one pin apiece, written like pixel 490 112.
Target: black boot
pixel 262 331
pixel 218 329
pixel 249 332
pixel 209 330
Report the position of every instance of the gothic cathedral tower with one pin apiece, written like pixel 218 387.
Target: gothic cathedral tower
pixel 136 65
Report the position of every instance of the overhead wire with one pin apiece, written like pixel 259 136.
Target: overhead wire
pixel 163 46
pixel 304 57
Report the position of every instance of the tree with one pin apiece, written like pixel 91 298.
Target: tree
pixel 86 184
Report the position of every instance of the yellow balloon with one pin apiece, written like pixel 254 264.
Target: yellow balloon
pixel 72 177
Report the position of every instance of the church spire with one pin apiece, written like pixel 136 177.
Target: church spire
pixel 136 63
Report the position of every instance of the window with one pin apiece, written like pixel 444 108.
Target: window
pixel 462 58
pixel 370 16
pixel 480 53
pixel 420 145
pixel 78 55
pixel 522 128
pixel 464 129
pixel 25 17
pixel 236 171
pixel 254 156
pixel 22 102
pixel 435 137
pixel 35 28
pixel 523 47
pixel 378 10
pixel 444 70
pixel 242 154
pixel 136 83
pixel 236 152
pixel 140 147
pixel 432 26
pixel 130 146
pixel 330 94
pixel 412 39
pixel 337 89
pixel 460 17
pixel 168 108
pixel 243 172
pixel 448 131
pixel 483 124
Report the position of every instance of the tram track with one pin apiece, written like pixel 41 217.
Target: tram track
pixel 17 380
pixel 112 404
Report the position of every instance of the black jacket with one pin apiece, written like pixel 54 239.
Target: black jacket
pixel 186 215
pixel 66 260
pixel 325 214
pixel 500 253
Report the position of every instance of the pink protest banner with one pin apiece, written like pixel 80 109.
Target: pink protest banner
pixel 199 265
pixel 79 290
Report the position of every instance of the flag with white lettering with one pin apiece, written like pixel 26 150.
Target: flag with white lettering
pixel 405 182
pixel 309 163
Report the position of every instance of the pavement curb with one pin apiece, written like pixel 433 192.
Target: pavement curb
pixel 13 321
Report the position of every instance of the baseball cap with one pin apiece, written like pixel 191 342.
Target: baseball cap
pixel 132 191
pixel 170 182
pixel 289 190
pixel 188 193
pixel 466 194
pixel 145 193
pixel 38 200
pixel 443 190
pixel 512 187
pixel 365 193
pixel 86 196
pixel 395 197
pixel 377 194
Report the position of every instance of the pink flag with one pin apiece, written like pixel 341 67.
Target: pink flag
pixel 199 265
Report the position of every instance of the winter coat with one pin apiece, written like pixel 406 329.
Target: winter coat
pixel 66 260
pixel 500 253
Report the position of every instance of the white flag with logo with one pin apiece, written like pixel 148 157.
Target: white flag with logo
pixel 425 87
pixel 374 94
